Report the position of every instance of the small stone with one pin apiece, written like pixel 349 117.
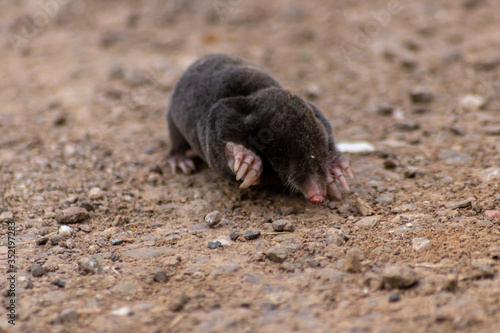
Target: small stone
pixel 410 172
pixel 385 199
pixel 268 220
pixel 364 209
pixel 453 158
pixel 214 245
pixel 114 257
pixel 313 91
pixel 65 231
pixel 492 213
pixel 472 102
pixel 42 240
pixel 87 206
pixel 37 270
pixel 68 315
pixel 289 227
pixel 213 218
pixel 367 222
pixel 407 125
pixel 390 164
pixel 279 225
pixel 384 109
pixel 95 194
pixel 234 234
pixel 457 130
pixel 117 241
pixel 352 262
pixel 492 130
pixel 481 270
pixel 461 204
pixel 394 297
pixel 178 303
pixel 55 239
pixel 399 277
pixel 72 215
pixel 160 275
pixel 420 243
pixel 451 282
pixel 287 267
pixel 421 95
pixel 287 210
pixel 250 235
pixel 87 266
pixel 122 311
pixel 335 238
pixel 150 150
pixel 6 216
pixel 277 254
pixel 86 228
pixel 59 283
pixel 494 252
pixel 490 174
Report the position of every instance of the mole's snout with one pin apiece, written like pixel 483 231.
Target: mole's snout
pixel 317 198
pixel 314 190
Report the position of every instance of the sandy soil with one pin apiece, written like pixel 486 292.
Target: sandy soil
pixel 414 247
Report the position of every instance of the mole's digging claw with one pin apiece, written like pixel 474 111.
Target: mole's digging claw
pixel 331 188
pixel 180 161
pixel 338 165
pixel 243 161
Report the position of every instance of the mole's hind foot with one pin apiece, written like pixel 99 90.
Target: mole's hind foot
pixel 244 163
pixel 180 161
pixel 338 166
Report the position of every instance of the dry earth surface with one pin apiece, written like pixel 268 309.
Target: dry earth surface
pixel 414 247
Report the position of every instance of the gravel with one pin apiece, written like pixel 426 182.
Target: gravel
pixel 72 215
pixel 277 254
pixel 399 277
pixel 213 218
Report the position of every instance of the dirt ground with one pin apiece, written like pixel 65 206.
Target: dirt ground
pixel 414 247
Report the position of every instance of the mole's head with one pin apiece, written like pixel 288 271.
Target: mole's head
pixel 296 145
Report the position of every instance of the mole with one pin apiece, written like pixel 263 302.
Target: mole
pixel 239 120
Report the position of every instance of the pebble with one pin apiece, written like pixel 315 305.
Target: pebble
pixel 492 213
pixel 355 147
pixel 114 257
pixel 385 199
pixel 178 303
pixel 86 228
pixel 457 130
pixel 87 206
pixel 384 109
pixel 122 311
pixel 420 243
pixel 95 194
pixel 234 234
pixel 492 130
pixel 287 210
pixel 399 277
pixel 407 125
pixel 37 270
pixel 68 315
pixel 472 102
pixel 461 204
pixel 59 283
pixel 42 240
pixel 490 174
pixel 72 215
pixel 335 238
pixel 223 240
pixel 421 95
pixel 250 235
pixel 6 216
pixel 282 225
pixel 481 270
pixel 390 164
pixel 367 222
pixel 65 231
pixel 126 287
pixel 268 220
pixel 277 254
pixel 147 252
pixel 364 209
pixel 352 262
pixel 213 218
pixel 87 266
pixel 410 172
pixel 117 241
pixel 214 245
pixel 160 275
pixel 453 158
pixel 494 252
pixel 394 297
pixel 54 240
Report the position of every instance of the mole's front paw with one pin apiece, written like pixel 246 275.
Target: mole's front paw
pixel 180 161
pixel 244 161
pixel 338 165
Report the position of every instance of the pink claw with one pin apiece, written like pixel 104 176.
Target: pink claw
pixel 338 165
pixel 244 163
pixel 180 161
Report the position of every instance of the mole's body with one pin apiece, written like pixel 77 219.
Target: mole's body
pixel 240 121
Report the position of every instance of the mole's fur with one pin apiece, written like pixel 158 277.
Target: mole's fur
pixel 245 125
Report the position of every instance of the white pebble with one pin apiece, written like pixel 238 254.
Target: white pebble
pixel 65 231
pixel 355 147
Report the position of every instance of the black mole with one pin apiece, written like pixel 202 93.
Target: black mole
pixel 246 126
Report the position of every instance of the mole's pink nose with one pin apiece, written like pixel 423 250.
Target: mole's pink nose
pixel 317 198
